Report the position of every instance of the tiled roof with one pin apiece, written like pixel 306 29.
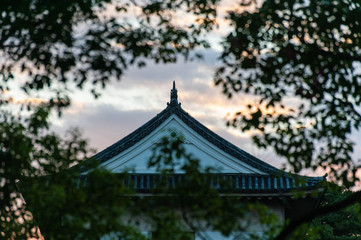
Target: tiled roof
pixel 210 136
pixel 175 108
pixel 236 183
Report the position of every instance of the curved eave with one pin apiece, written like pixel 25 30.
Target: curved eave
pixel 227 183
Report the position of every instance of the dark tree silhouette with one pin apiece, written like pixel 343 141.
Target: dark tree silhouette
pixel 301 58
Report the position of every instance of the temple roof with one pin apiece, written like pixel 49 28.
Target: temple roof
pixel 173 107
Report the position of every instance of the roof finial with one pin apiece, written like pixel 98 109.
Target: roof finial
pixel 174 95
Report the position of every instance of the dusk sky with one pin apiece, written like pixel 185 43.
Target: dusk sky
pixel 142 93
pixel 301 58
pixel 127 104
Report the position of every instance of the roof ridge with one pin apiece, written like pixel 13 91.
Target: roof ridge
pixel 227 146
pixel 175 108
pixel 121 145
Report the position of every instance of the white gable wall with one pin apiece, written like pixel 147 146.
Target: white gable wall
pixel 137 156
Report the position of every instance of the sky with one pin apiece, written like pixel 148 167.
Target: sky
pixel 130 102
pixel 127 104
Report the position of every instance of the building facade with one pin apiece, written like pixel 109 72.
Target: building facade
pixel 250 177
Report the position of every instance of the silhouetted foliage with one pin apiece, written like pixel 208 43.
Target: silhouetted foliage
pixel 53 43
pixel 69 198
pixel 300 58
pixel 28 150
pixel 344 224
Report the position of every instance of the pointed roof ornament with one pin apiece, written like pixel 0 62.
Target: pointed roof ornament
pixel 173 95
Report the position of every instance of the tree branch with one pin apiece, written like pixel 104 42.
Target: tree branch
pixel 287 230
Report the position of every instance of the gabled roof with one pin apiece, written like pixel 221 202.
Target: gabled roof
pixel 175 108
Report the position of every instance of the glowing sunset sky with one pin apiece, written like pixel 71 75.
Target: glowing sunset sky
pixel 142 93
pixel 127 104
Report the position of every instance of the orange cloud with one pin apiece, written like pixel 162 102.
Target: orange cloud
pixel 34 100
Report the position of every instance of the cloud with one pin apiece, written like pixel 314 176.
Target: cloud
pixel 142 93
pixel 103 125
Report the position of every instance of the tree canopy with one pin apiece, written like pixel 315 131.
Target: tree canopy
pixel 54 43
pixel 28 151
pixel 343 224
pixel 65 203
pixel 303 50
